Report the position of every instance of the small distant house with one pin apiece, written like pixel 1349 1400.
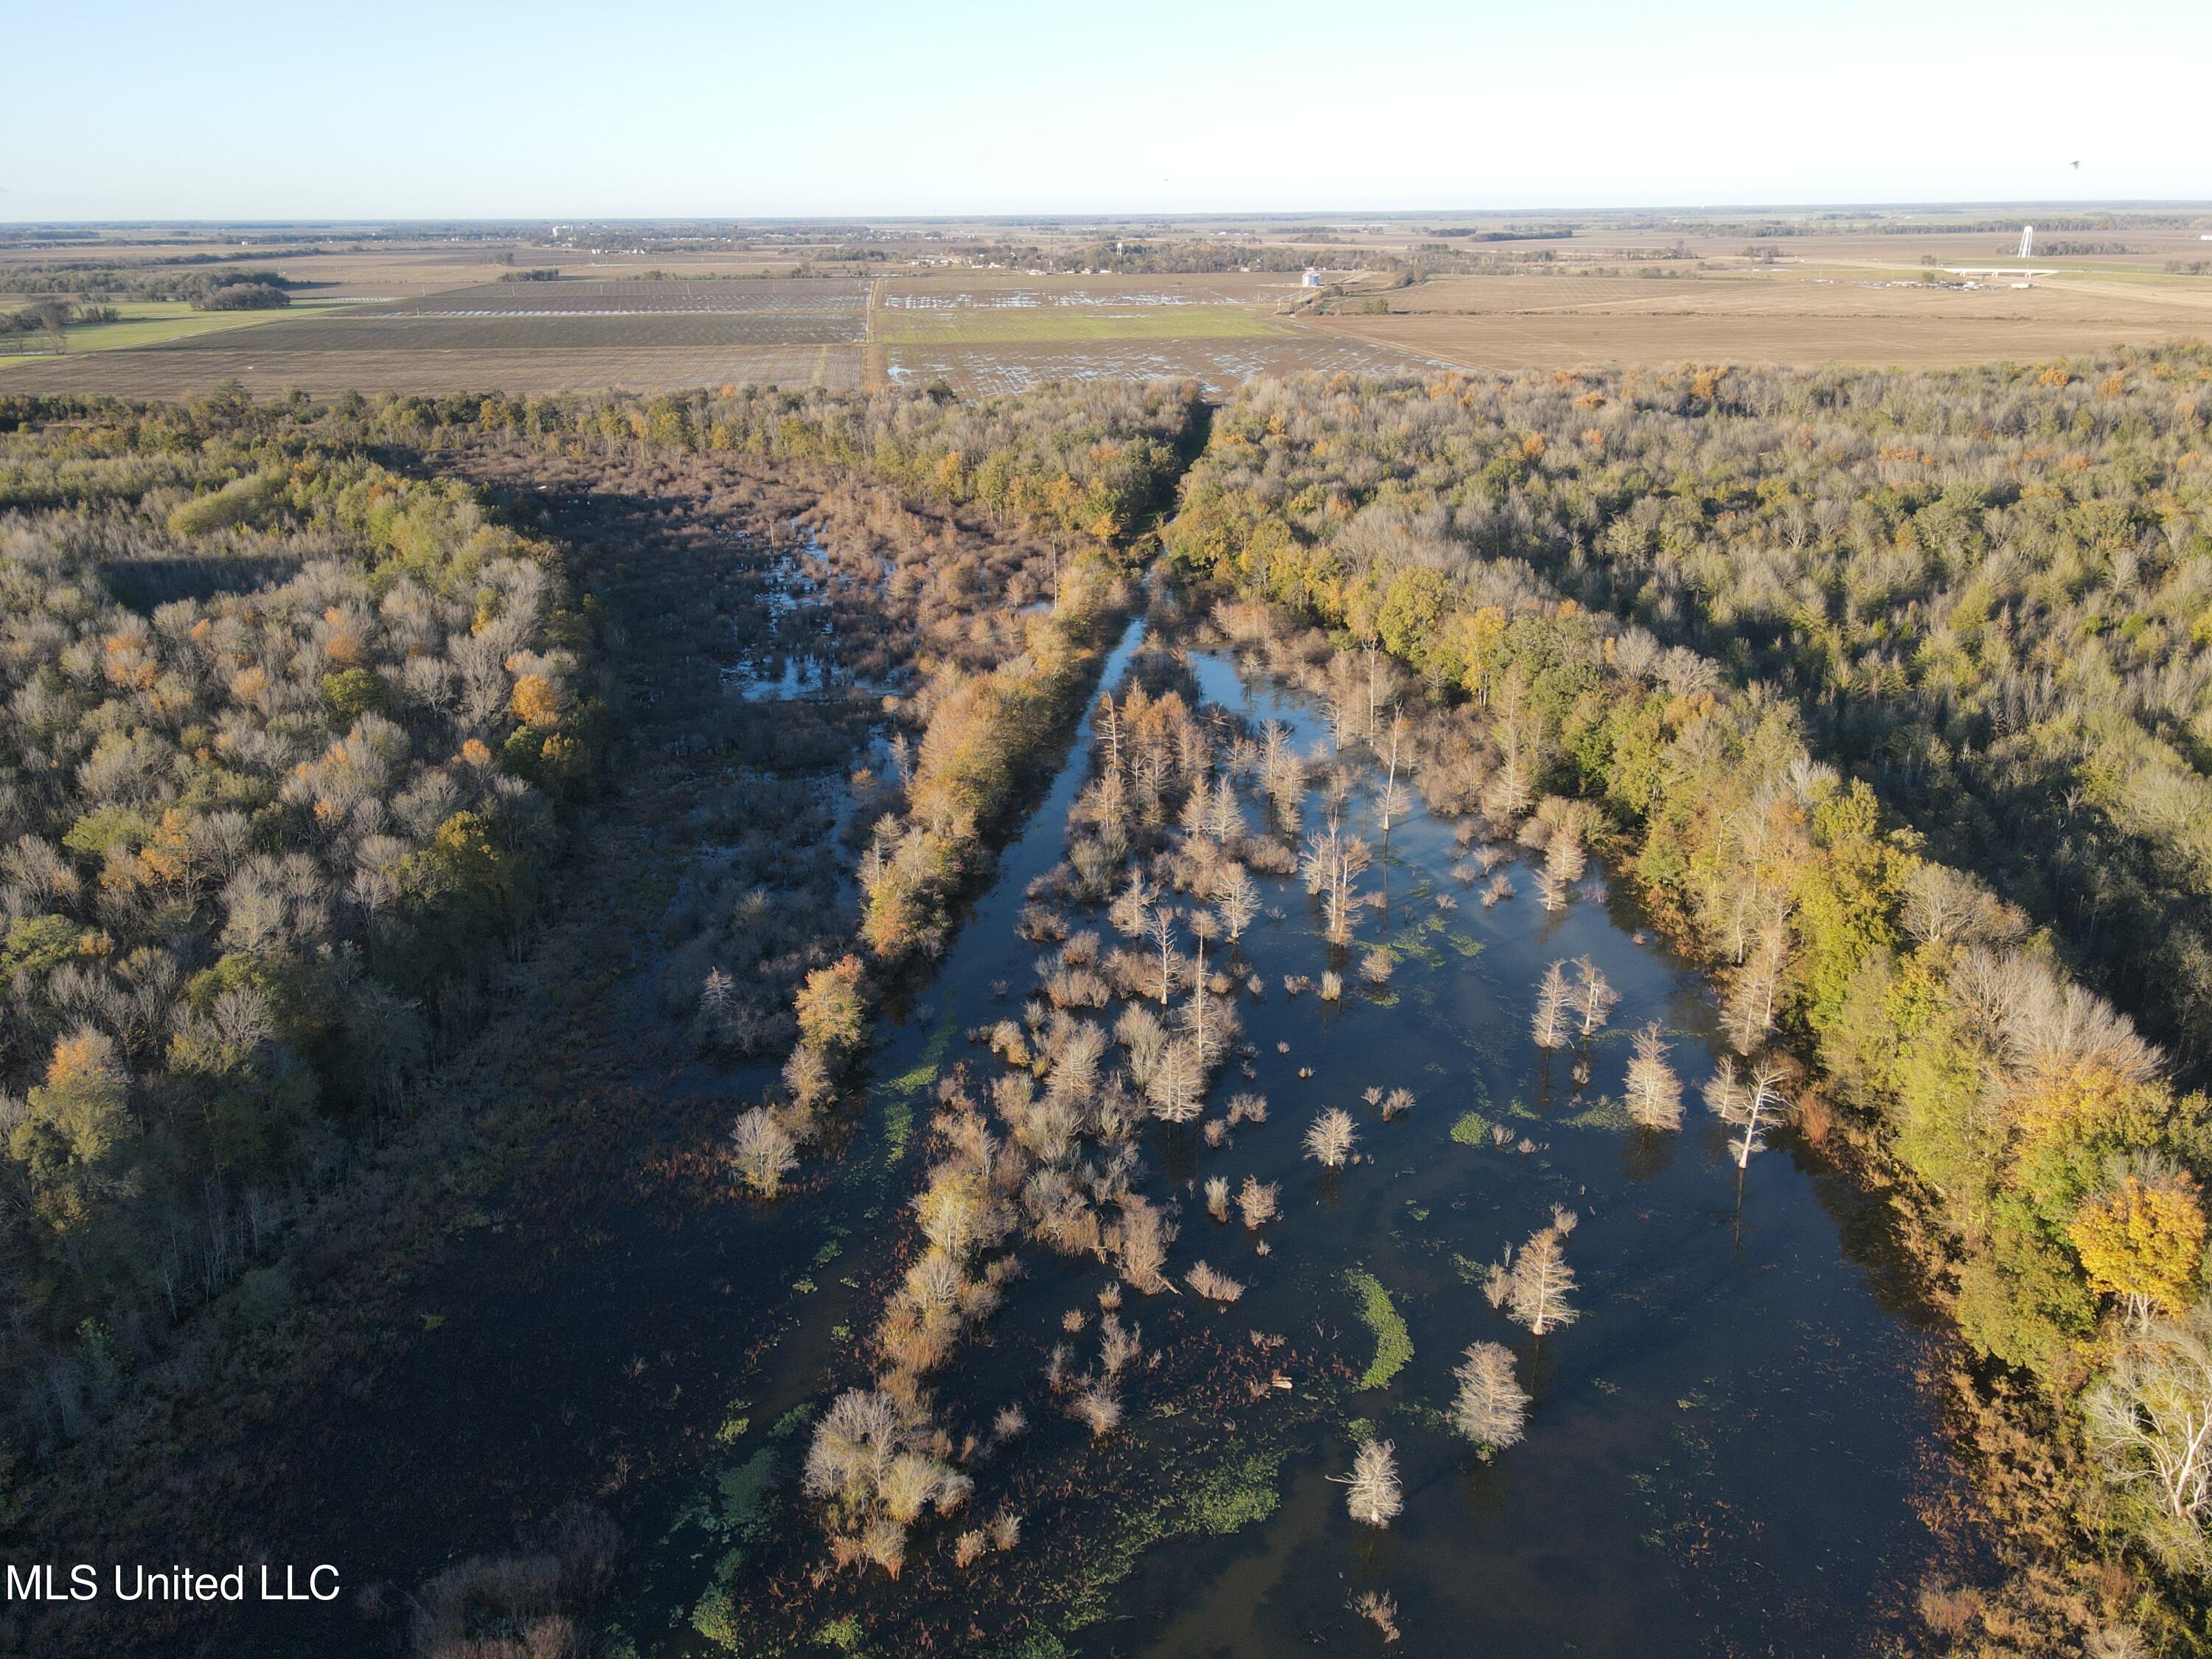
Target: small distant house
pixel 1311 279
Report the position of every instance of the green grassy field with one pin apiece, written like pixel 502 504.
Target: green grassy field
pixel 157 322
pixel 979 324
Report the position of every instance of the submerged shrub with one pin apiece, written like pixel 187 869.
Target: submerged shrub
pixel 1330 1138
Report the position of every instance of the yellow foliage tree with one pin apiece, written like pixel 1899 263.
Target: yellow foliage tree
pixel 2143 1241
pixel 833 1015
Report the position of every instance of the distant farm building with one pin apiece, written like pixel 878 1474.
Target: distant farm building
pixel 1311 279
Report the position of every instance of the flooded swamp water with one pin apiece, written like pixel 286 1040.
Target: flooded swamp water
pixel 1728 1451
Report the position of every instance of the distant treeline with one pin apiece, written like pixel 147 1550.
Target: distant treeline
pixel 1841 226
pixel 1200 257
pixel 136 282
pixel 1097 460
pixel 47 319
pixel 1510 233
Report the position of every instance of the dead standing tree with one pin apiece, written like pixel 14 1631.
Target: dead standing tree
pixel 1539 1282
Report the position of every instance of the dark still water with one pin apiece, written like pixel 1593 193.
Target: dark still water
pixel 1727 1452
pixel 1725 1447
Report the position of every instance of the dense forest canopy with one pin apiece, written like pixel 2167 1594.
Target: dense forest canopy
pixel 1989 589
pixel 286 735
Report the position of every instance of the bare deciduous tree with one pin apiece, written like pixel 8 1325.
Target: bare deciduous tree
pixel 1256 1201
pixel 1490 1406
pixel 1236 897
pixel 1553 998
pixel 1539 1282
pixel 1754 1104
pixel 763 1150
pixel 1653 1094
pixel 2149 1423
pixel 1371 1489
pixel 1594 997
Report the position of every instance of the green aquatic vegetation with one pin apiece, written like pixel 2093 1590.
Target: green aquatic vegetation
pixel 1409 947
pixel 901 1092
pixel 733 1510
pixel 1362 1430
pixel 1603 1113
pixel 843 1634
pixel 736 1425
pixel 734 1504
pixel 1471 1129
pixel 898 1130
pixel 1393 1343
pixel 792 1421
pixel 1218 1500
pixel 1466 944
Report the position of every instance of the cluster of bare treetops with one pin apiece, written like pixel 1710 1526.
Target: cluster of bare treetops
pixel 1134 1017
pixel 2042 1139
pixel 282 738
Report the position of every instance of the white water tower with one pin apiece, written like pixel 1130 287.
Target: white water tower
pixel 2028 241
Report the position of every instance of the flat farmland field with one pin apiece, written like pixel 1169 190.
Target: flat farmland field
pixel 915 325
pixel 1814 315
pixel 565 332
pixel 433 316
pixel 159 322
pixel 513 336
pixel 1220 366
pixel 1539 342
pixel 737 296
pixel 268 368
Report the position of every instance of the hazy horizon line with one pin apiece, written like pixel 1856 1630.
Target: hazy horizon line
pixel 1020 216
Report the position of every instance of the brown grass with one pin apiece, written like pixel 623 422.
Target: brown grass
pixel 1821 314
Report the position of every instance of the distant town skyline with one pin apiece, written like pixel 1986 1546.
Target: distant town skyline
pixel 247 111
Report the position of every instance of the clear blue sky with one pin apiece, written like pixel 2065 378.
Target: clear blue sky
pixel 552 109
